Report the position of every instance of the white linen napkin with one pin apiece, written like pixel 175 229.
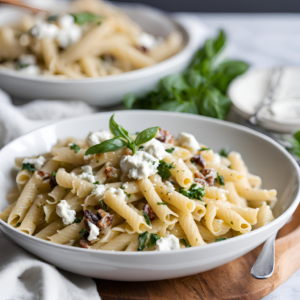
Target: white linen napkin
pixel 22 275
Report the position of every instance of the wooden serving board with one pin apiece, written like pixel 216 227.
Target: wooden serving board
pixel 230 281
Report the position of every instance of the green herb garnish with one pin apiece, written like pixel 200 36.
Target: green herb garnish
pixel 146 218
pixel 22 65
pixel 223 152
pixel 220 179
pixel 153 239
pixel 122 139
pixel 170 150
pixel 75 147
pixel 163 169
pixel 141 148
pixel 204 149
pixel 82 232
pixel 161 203
pixel 193 192
pixel 220 239
pixel 29 167
pixel 103 205
pixel 52 18
pixel 81 18
pixel 96 182
pixel 128 195
pixel 201 89
pixel 142 240
pixel 184 242
pixel 231 223
pixel 53 174
pixel 295 144
pixel 78 220
pixel 19 224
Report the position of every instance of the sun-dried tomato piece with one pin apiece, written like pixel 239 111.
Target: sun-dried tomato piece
pixel 106 219
pixel 84 243
pixel 150 213
pixel 165 136
pixel 199 160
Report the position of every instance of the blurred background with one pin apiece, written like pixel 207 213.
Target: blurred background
pixel 219 6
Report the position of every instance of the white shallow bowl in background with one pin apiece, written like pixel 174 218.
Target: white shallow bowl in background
pixel 262 155
pixel 109 90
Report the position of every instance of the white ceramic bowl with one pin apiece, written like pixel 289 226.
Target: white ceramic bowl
pixel 263 156
pixel 109 90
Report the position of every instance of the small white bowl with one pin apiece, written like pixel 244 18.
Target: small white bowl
pixel 263 156
pixel 109 90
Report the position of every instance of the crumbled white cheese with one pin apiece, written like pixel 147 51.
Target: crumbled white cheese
pixel 125 185
pixel 66 34
pixel 99 190
pixel 170 186
pixel 140 165
pixel 170 242
pixel 31 70
pixel 188 141
pixel 94 231
pixel 216 158
pixel 87 174
pixel 98 137
pixel 149 41
pixel 44 30
pixel 63 209
pixel 155 148
pixel 37 162
pixel 27 59
pixel 117 192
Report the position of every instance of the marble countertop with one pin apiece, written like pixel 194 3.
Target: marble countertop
pixel 264 40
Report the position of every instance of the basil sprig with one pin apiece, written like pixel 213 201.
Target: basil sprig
pixel 153 239
pixel 29 167
pixel 81 18
pixel 200 89
pixel 163 169
pixel 294 148
pixel 122 139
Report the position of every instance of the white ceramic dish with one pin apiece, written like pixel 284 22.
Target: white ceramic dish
pixel 248 90
pixel 111 89
pixel 263 156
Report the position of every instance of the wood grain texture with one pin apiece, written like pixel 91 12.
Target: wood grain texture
pixel 231 281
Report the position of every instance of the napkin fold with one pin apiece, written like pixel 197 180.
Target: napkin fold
pixel 22 275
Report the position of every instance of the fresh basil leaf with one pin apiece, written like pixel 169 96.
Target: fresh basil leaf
pixel 103 205
pixel 220 239
pixel 107 146
pixel 161 203
pixel 75 147
pixel 82 232
pixel 78 220
pixel 163 169
pixel 153 239
pixel 297 136
pixel 194 192
pixel 29 167
pixel 129 99
pixel 81 18
pixel 184 242
pixel 170 150
pixel 146 135
pixel 224 152
pixel 220 179
pixel 142 240
pixel 146 218
pixel 172 81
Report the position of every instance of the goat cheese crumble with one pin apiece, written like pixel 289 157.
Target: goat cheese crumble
pixel 99 190
pixel 188 141
pixel 156 149
pixel 65 34
pixel 170 242
pixel 37 162
pixel 63 209
pixel 87 174
pixel 149 41
pixel 140 165
pixel 98 137
pixel 94 231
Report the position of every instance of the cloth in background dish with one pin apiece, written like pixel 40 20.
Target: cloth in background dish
pixel 22 275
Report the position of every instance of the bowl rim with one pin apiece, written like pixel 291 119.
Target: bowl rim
pixel 240 238
pixel 188 46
